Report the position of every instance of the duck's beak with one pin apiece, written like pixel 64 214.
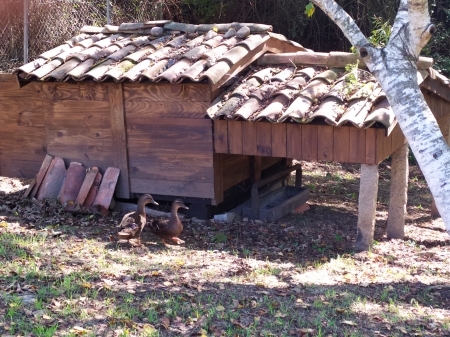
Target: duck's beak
pixel 185 207
pixel 155 203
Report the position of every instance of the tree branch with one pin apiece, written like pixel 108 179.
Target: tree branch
pixel 401 20
pixel 344 22
pixel 420 27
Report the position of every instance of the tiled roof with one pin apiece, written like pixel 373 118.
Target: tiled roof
pixel 283 93
pixel 155 51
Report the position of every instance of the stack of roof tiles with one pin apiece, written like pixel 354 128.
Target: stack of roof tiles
pixel 155 51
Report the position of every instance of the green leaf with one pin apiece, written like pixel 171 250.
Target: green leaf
pixel 310 9
pixel 220 237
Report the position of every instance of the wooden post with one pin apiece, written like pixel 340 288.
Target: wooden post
pixel 367 204
pixel 398 194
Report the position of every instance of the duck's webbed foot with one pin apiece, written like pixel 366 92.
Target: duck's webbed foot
pixel 177 240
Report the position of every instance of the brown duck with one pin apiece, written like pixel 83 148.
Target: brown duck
pixel 133 223
pixel 169 229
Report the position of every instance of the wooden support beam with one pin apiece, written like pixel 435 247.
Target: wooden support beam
pixel 398 193
pixel 119 138
pixel 367 204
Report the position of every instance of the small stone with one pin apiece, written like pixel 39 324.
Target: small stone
pixel 210 35
pixel 230 33
pixel 157 31
pixel 243 32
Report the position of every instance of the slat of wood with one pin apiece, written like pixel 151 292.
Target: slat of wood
pixel 141 157
pixel 8 78
pixel 76 91
pixel 383 145
pixel 249 139
pixel 31 91
pixel 80 137
pixel 220 136
pixel 138 110
pixel 371 142
pixel 86 186
pixel 294 141
pixel 92 194
pixel 236 169
pixel 93 114
pixel 309 142
pixel 182 141
pixel 88 155
pixel 264 139
pixel 218 178
pixel 325 138
pixel 279 140
pixel 175 124
pixel 357 145
pixel 119 138
pixel 30 188
pixel 18 168
pixel 106 190
pixel 23 113
pixel 235 137
pixel 72 183
pixel 163 171
pixel 341 148
pixel 53 180
pixel 173 188
pixel 398 139
pixel 41 174
pixel 167 92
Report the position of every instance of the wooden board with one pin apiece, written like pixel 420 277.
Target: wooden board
pixel 72 183
pixel 325 139
pixel 371 143
pixel 173 188
pixel 235 137
pixel 144 109
pixel 218 179
pixel 106 190
pixel 79 115
pixel 264 139
pixel 357 144
pixel 167 92
pixel 119 138
pixel 249 139
pixel 220 136
pixel 92 194
pixel 75 91
pixel 279 140
pixel 86 186
pixel 53 180
pixel 294 141
pixel 309 142
pixel 80 137
pixel 341 148
pixel 170 157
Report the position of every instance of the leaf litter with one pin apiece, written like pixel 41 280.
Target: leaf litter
pixel 60 275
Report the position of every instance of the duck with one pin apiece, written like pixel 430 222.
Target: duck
pixel 133 223
pixel 169 229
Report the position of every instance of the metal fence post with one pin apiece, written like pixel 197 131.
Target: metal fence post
pixel 108 12
pixel 25 31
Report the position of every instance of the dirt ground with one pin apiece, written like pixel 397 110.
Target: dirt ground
pixel 295 277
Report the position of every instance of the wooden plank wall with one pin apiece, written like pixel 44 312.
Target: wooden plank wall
pixel 170 144
pixel 78 124
pixel 441 110
pixel 22 136
pixel 306 141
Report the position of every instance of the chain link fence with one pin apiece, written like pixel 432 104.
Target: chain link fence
pixel 48 23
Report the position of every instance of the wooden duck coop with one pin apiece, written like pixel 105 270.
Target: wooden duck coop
pixel 193 110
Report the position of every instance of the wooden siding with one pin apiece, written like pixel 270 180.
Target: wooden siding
pixel 306 141
pixel 22 138
pixel 170 143
pixel 441 110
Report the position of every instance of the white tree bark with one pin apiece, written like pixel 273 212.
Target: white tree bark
pixel 394 66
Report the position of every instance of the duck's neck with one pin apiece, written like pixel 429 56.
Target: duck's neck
pixel 174 212
pixel 141 208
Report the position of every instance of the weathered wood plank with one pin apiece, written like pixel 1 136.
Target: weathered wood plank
pixel 23 112
pixel 92 194
pixel 88 155
pixel 18 168
pixel 357 145
pixel 138 110
pixel 279 140
pixel 218 178
pixel 264 139
pixel 235 137
pixel 53 180
pixel 341 148
pixel 383 145
pixel 41 174
pixel 86 186
pixel 106 190
pixel 249 139
pixel 309 142
pixel 169 157
pixel 325 137
pixel 173 188
pixel 294 141
pixel 82 91
pixel 80 136
pixel 119 138
pixel 371 143
pixel 220 136
pixel 167 92
pixel 398 139
pixel 72 183
pixel 90 115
